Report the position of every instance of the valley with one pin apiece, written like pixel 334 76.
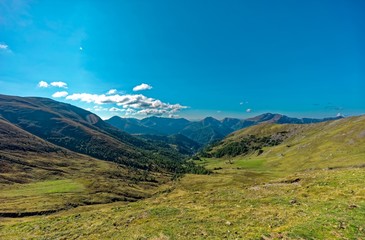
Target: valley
pixel 267 181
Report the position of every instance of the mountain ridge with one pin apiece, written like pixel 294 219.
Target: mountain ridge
pixel 203 131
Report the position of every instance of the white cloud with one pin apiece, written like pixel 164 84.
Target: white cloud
pixel 59 84
pixel 248 110
pixel 4 46
pixel 43 84
pixel 157 112
pixel 131 104
pixel 141 87
pixel 81 49
pixel 339 115
pixel 60 94
pixel 112 91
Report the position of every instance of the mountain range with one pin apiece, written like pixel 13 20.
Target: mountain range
pixel 205 131
pixel 81 131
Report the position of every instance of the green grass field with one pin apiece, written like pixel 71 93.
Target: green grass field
pixel 39 196
pixel 42 188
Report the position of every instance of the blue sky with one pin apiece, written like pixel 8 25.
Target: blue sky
pixel 195 58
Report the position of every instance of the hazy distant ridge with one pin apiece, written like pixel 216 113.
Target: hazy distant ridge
pixel 204 131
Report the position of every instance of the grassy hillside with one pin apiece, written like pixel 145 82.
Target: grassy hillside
pixel 38 177
pixel 270 196
pixel 298 147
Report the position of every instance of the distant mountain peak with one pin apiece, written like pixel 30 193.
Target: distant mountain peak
pixel 266 117
pixel 210 120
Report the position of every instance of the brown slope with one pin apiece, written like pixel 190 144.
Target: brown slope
pixel 22 156
pixel 29 164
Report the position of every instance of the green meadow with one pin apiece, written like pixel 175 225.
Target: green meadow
pixel 242 200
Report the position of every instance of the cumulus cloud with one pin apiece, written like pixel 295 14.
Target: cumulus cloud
pixel 4 46
pixel 141 87
pixel 131 104
pixel 248 110
pixel 43 84
pixel 60 94
pixel 157 112
pixel 59 84
pixel 112 91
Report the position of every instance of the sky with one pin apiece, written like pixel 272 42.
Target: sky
pixel 191 58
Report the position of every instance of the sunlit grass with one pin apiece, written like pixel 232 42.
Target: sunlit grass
pixel 41 188
pixel 322 204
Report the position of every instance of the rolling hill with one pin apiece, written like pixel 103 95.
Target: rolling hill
pixel 299 146
pixel 38 177
pixel 16 168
